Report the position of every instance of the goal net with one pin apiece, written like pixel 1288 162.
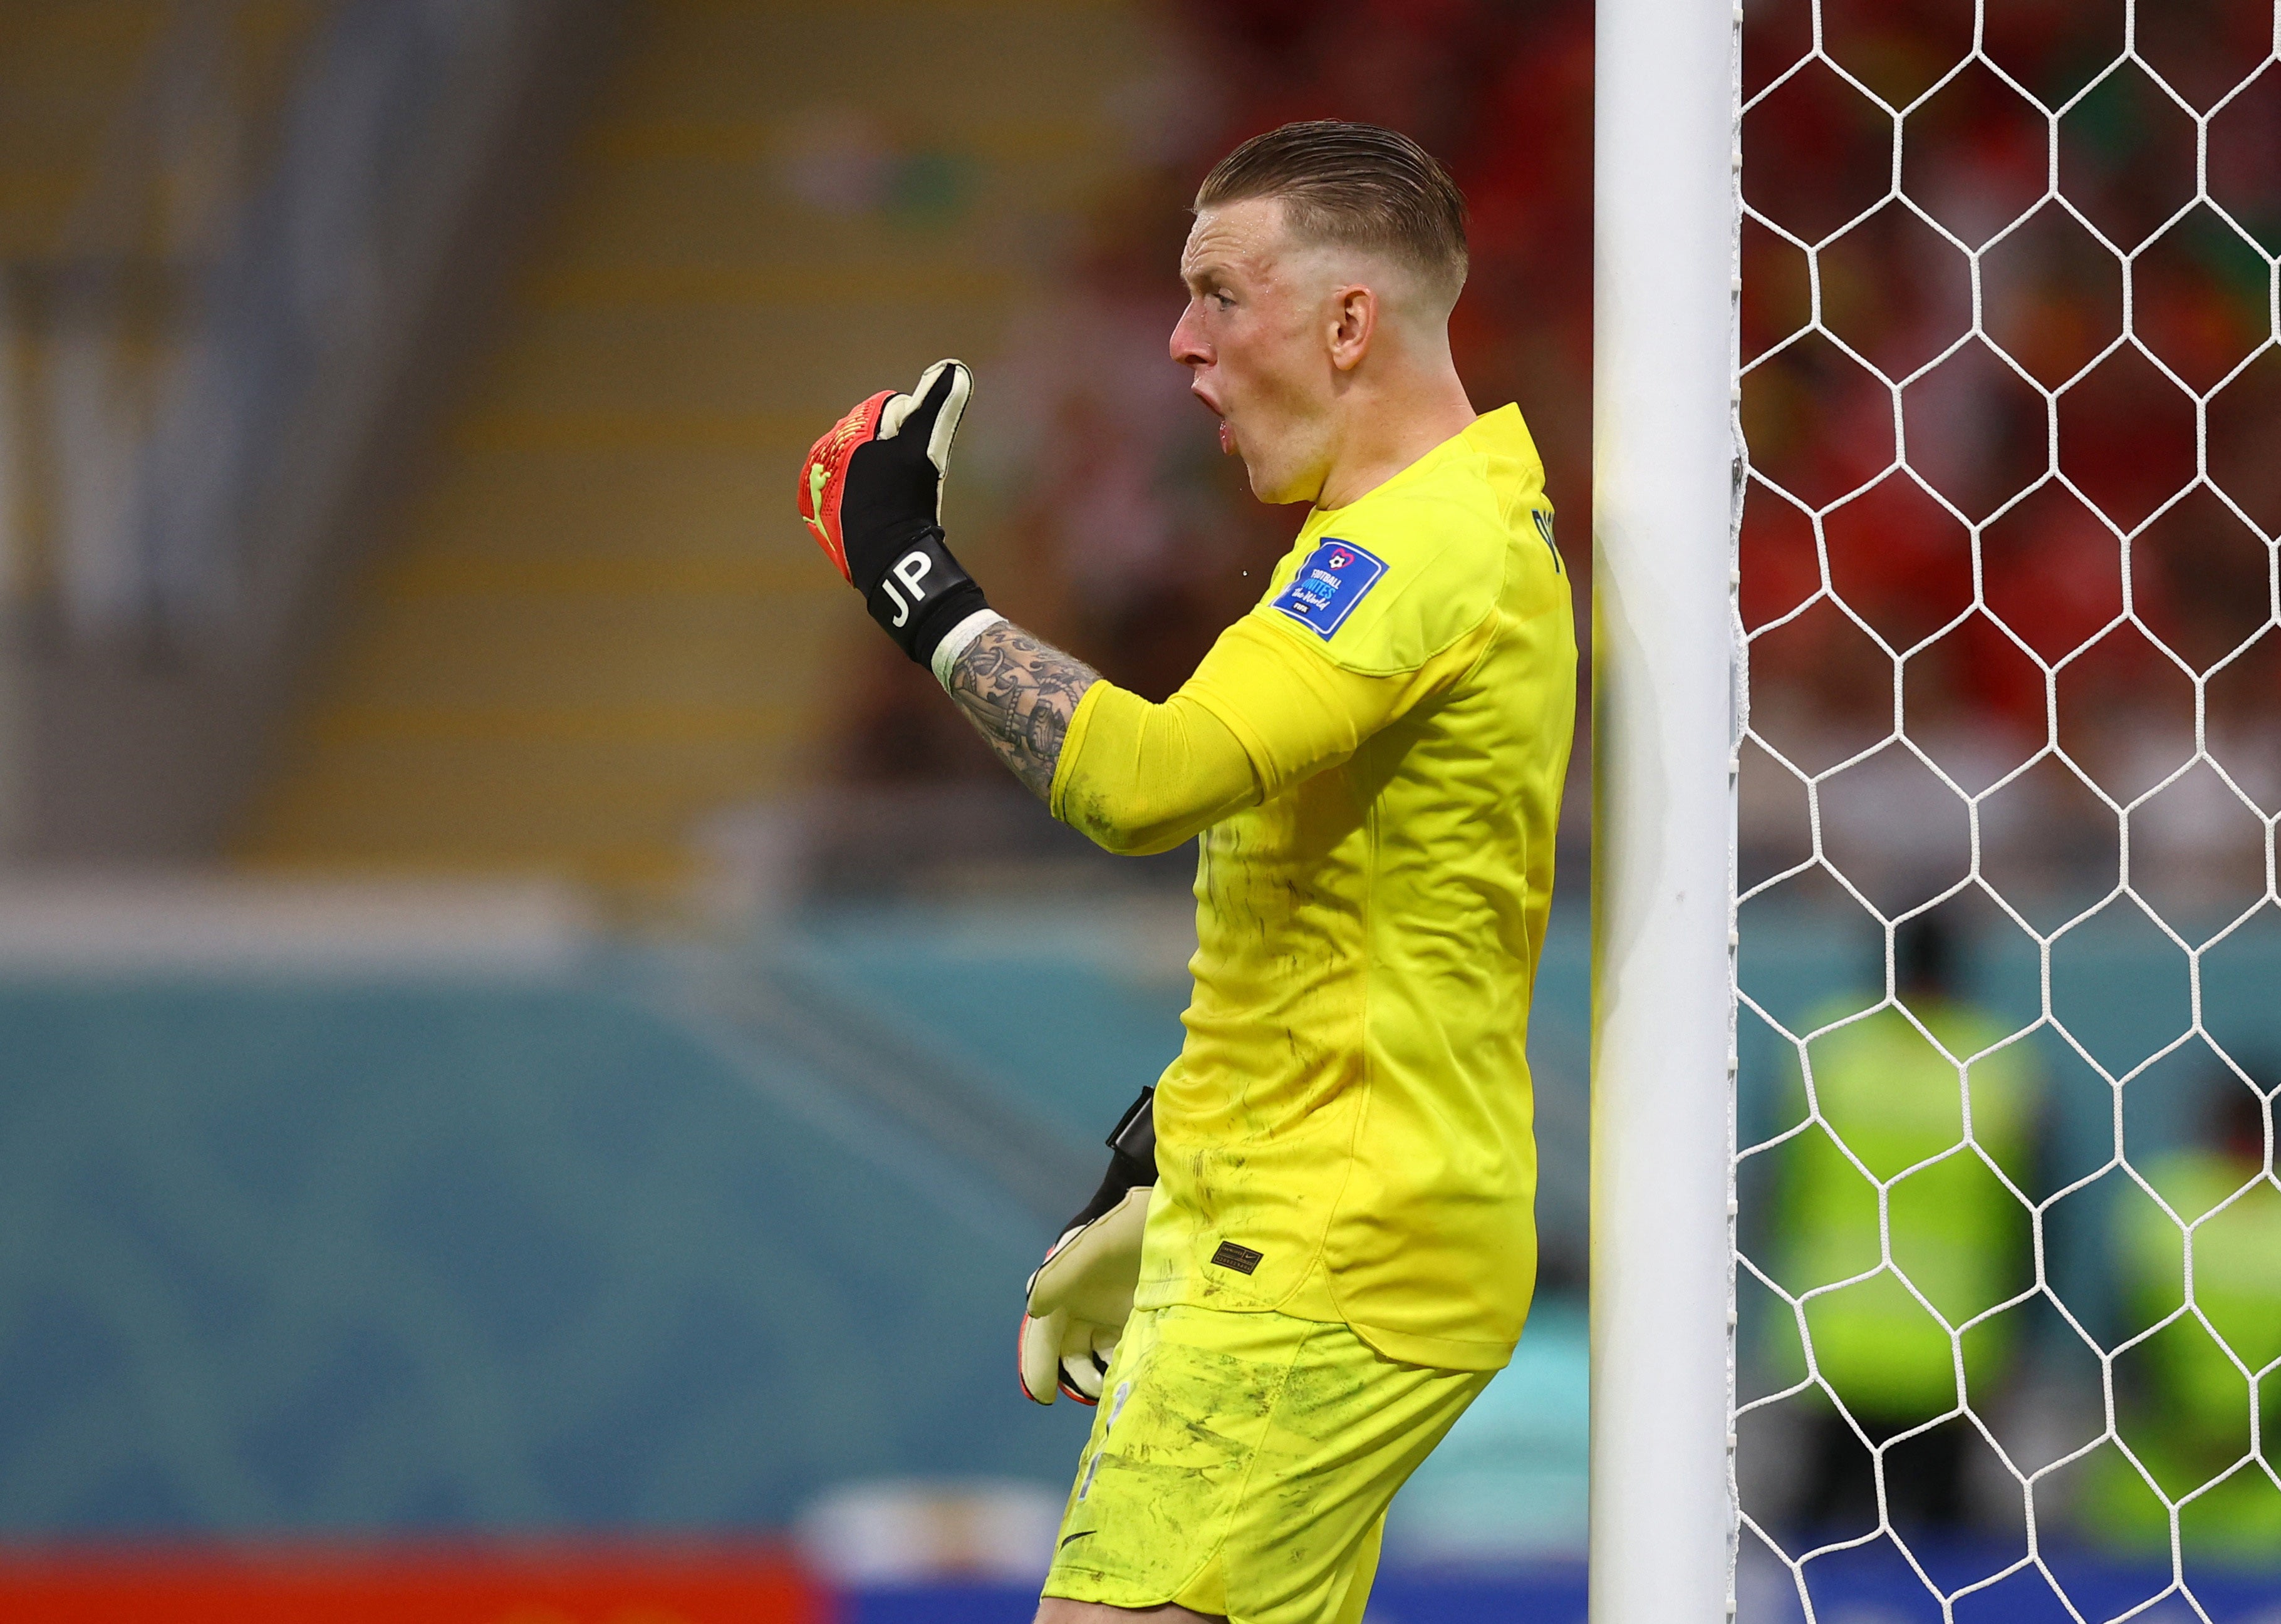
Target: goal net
pixel 2006 1236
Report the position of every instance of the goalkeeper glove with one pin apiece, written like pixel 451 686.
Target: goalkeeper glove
pixel 1081 1295
pixel 871 490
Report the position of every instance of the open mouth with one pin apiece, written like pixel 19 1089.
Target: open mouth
pixel 1226 430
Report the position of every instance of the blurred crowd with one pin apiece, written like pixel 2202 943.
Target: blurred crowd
pixel 1979 408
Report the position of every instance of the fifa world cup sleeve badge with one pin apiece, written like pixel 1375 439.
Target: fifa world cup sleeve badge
pixel 1336 577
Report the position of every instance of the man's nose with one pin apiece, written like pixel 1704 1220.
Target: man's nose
pixel 1187 347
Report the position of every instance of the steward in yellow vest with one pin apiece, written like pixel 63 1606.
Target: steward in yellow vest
pixel 1901 1208
pixel 2186 1392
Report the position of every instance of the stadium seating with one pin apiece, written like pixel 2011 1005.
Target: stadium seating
pixel 342 1251
pixel 63 73
pixel 601 620
pixel 308 1257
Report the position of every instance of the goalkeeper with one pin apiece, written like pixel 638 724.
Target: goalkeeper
pixel 1339 1246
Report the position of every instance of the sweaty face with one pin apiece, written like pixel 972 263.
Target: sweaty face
pixel 1254 340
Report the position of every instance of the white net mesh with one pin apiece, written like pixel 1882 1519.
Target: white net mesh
pixel 2009 976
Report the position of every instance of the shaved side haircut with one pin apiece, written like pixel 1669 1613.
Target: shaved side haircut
pixel 1358 185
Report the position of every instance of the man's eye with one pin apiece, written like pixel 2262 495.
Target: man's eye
pixel 1224 300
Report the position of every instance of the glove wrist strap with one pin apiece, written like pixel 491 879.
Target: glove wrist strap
pixel 923 594
pixel 1134 1136
pixel 1131 1162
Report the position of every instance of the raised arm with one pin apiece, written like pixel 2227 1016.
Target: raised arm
pixel 1260 713
pixel 871 492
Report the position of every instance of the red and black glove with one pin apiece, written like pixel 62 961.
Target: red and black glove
pixel 872 489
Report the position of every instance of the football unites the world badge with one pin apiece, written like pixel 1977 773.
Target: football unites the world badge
pixel 1329 585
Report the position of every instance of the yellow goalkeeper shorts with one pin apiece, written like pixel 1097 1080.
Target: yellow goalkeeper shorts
pixel 1240 1465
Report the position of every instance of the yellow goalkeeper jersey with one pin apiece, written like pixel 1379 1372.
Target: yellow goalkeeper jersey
pixel 1374 755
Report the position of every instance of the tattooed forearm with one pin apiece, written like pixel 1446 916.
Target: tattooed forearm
pixel 1020 693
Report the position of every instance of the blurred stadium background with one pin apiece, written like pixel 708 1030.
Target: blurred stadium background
pixel 482 915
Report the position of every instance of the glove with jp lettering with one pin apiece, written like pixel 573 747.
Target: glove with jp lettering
pixel 1082 1294
pixel 871 490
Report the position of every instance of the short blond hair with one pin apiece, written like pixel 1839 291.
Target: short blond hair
pixel 1356 185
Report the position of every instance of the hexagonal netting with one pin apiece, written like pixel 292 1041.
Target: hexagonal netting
pixel 2008 1251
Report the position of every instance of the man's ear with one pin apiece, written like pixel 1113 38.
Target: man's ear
pixel 1353 323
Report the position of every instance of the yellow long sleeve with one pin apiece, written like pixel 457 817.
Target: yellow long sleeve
pixel 1138 777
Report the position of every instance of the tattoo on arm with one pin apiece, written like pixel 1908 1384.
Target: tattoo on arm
pixel 1020 693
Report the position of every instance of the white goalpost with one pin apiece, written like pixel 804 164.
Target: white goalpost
pixel 1666 474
